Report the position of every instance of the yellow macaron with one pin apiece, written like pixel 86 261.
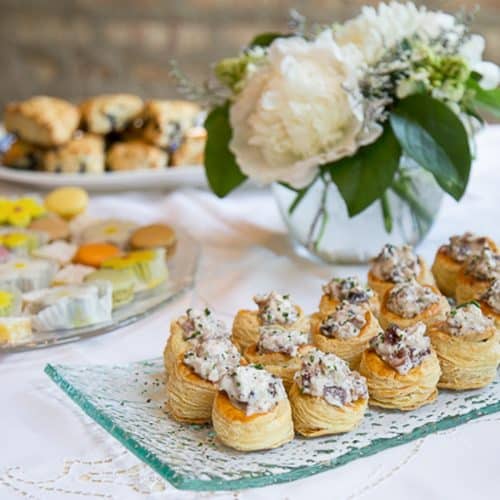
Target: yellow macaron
pixel 68 202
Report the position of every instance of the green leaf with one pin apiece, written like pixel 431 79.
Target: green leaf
pixel 386 213
pixel 364 177
pixel 222 171
pixel 266 39
pixel 433 135
pixel 485 100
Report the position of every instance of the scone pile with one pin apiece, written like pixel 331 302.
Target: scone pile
pixel 391 344
pixel 116 132
pixel 61 269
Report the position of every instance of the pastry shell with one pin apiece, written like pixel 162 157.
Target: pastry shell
pixel 468 287
pixel 467 362
pixel 490 312
pixel 392 390
pixel 190 397
pixel 176 345
pixel 432 314
pixel 246 324
pixel 260 431
pixel 349 350
pixel 280 364
pixel 313 416
pixel 380 287
pixel 328 305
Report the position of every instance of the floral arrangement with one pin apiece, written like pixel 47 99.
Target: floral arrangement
pixel 343 103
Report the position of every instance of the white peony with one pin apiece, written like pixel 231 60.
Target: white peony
pixel 300 110
pixel 377 30
pixel 472 51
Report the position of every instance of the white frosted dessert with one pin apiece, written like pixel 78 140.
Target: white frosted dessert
pixel 72 306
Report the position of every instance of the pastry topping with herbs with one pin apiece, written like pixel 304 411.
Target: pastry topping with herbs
pixel 467 318
pixel 253 389
pixel 460 248
pixel 402 348
pixel 275 308
pixel 492 296
pixel 345 322
pixel 329 377
pixel 202 325
pixel 484 266
pixel 410 298
pixel 276 339
pixel 395 264
pixel 349 289
pixel 213 358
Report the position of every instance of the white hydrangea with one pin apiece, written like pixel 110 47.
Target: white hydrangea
pixel 302 109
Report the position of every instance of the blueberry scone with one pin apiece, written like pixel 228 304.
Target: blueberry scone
pixel 135 155
pixel 110 113
pixel 166 122
pixel 45 121
pixel 84 154
pixel 22 155
pixel 191 151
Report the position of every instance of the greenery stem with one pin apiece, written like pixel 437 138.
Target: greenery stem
pixel 386 212
pixel 402 187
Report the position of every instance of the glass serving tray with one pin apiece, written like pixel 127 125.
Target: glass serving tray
pixel 182 269
pixel 128 401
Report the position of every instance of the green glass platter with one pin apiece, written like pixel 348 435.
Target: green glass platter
pixel 128 401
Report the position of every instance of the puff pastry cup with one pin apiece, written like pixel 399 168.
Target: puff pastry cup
pixel 415 303
pixel 191 385
pixel 279 351
pixel 490 302
pixel 450 258
pixel 412 381
pixel 350 289
pixel 476 275
pixel 193 326
pixel 336 403
pixel 265 426
pixel 467 345
pixel 348 349
pixel 246 324
pixel 397 264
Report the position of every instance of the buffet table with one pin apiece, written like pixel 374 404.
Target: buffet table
pixel 50 449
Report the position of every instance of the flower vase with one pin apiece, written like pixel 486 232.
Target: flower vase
pixel 320 226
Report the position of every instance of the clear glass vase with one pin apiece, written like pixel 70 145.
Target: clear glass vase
pixel 320 226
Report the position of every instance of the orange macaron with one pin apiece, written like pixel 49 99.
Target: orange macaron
pixel 94 254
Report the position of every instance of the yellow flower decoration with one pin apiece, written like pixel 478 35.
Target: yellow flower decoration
pixel 19 212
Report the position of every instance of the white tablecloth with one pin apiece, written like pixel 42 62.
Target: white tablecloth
pixel 49 449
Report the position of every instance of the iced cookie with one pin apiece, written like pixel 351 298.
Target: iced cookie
pixel 94 254
pixel 114 231
pixel 154 236
pixel 54 226
pixel 68 202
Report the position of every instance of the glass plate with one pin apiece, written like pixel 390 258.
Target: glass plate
pixel 128 401
pixel 182 269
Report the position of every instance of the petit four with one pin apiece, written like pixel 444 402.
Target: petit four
pixel 123 283
pixel 54 226
pixel 94 254
pixel 72 274
pixel 68 202
pixel 15 330
pixel 60 251
pixel 71 306
pixel 154 236
pixel 114 231
pixel 27 274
